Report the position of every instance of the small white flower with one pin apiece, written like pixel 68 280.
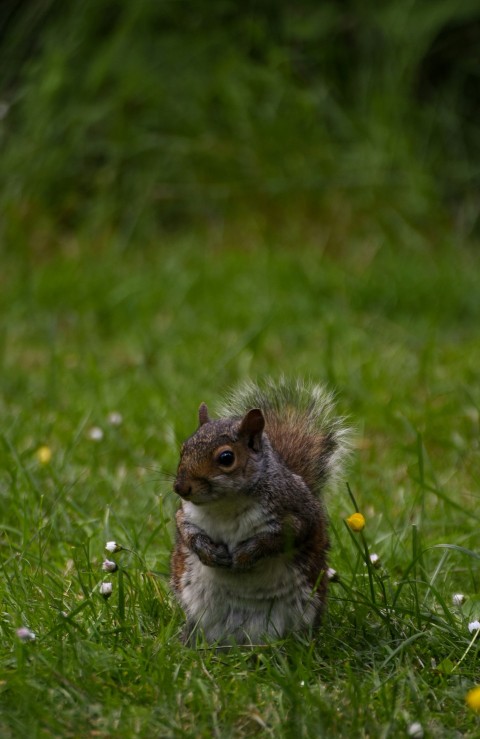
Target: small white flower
pixel 106 589
pixel 112 547
pixel 474 626
pixel 95 433
pixel 109 566
pixel 458 599
pixel 302 683
pixel 25 634
pixel 333 575
pixel 115 418
pixel 415 730
pixel 375 560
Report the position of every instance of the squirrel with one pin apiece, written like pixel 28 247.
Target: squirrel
pixel 250 554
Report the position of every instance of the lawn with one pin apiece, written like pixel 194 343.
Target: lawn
pixel 90 328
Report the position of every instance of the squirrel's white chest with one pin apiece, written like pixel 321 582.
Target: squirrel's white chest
pixel 271 599
pixel 229 522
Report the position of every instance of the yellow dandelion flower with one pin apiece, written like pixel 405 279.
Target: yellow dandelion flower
pixel 473 698
pixel 356 522
pixel 44 454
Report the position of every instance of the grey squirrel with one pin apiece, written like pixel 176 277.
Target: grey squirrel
pixel 250 557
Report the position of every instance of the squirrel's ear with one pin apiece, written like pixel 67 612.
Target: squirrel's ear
pixel 252 426
pixel 203 414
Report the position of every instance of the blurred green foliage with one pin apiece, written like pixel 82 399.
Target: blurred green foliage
pixel 135 114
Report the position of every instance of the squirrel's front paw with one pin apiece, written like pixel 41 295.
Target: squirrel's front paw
pixel 245 555
pixel 209 553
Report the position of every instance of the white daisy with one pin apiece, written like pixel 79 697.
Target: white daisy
pixel 106 589
pixel 474 626
pixel 112 547
pixel 115 418
pixel 109 566
pixel 95 433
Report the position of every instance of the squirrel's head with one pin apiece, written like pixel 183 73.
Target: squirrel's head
pixel 222 458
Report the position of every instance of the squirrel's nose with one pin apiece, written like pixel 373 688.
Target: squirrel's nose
pixel 182 488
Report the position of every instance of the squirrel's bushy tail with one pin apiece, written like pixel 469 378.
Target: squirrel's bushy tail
pixel 300 423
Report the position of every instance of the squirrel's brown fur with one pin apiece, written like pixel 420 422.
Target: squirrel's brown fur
pixel 251 546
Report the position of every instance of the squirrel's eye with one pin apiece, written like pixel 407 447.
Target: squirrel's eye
pixel 226 459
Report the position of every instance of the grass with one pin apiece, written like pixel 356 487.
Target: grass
pixel 188 112
pixel 89 327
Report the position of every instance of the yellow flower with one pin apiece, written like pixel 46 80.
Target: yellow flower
pixel 473 698
pixel 356 522
pixel 44 454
